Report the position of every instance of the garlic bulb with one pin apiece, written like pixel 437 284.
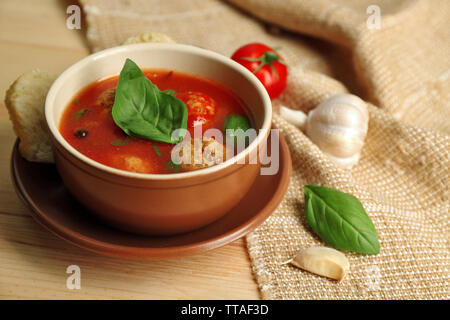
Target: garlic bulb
pixel 338 126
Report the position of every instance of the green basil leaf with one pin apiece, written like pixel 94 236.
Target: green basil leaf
pixel 236 121
pixel 340 220
pixel 142 110
pixel 232 125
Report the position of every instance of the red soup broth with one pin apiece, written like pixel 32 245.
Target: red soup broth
pixel 88 126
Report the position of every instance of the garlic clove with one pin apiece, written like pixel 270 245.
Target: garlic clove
pixel 296 117
pixel 323 261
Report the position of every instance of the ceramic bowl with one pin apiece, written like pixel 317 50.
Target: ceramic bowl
pixel 158 204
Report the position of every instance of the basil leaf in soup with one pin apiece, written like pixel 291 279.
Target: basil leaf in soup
pixel 140 109
pixel 235 128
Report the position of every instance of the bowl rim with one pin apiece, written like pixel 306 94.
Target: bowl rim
pixel 67 75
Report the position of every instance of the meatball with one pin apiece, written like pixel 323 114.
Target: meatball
pixel 131 163
pixel 203 154
pixel 135 164
pixel 201 107
pixel 106 99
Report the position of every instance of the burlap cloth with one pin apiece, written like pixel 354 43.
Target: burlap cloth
pixel 402 179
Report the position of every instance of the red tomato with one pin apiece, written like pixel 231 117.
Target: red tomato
pixel 266 64
pixel 201 107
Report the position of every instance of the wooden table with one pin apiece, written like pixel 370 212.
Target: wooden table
pixel 33 262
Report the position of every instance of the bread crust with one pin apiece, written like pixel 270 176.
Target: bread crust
pixel 25 101
pixel 149 37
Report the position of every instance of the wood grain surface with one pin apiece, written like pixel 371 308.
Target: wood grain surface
pixel 33 262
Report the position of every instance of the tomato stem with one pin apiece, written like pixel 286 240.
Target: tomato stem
pixel 267 58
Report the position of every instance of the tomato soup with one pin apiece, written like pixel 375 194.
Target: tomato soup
pixel 88 125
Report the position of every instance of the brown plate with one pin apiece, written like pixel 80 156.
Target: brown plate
pixel 41 189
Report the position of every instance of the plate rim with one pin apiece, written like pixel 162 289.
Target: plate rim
pixel 152 253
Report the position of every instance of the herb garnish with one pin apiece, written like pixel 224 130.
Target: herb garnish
pixel 340 220
pixel 173 166
pixel 142 110
pixel 120 142
pixel 81 112
pixel 157 150
pixel 168 75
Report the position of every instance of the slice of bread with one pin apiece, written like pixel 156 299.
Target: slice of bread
pixel 25 100
pixel 149 37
